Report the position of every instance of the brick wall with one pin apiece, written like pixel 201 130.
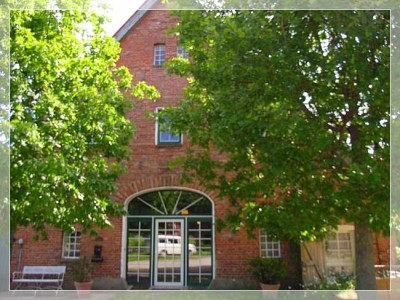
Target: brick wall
pixel 382 249
pixel 148 168
pixel 49 252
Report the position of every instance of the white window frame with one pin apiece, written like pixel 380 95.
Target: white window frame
pixel 268 247
pixel 158 140
pixel 159 54
pixel 181 52
pixel 71 245
pixel 337 262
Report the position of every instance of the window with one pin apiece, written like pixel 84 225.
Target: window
pixel 170 202
pixel 164 135
pixel 339 245
pixel 180 51
pixel 269 247
pixel 340 250
pixel 72 245
pixel 159 54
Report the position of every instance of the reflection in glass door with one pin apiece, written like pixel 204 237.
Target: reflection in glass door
pixel 138 251
pixel 200 262
pixel 169 241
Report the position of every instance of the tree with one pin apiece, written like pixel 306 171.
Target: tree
pixel 297 104
pixel 69 132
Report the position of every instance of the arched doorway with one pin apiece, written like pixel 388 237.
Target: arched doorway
pixel 170 242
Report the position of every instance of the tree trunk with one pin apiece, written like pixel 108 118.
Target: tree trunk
pixel 365 263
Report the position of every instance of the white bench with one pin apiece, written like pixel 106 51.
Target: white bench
pixel 39 277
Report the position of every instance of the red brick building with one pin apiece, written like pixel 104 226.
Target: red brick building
pixel 168 238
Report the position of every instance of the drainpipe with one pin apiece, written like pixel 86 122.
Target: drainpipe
pixel 19 259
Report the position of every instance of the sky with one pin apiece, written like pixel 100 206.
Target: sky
pixel 119 12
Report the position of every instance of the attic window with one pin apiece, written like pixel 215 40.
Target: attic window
pixel 159 54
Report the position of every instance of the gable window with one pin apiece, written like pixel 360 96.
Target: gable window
pixel 269 247
pixel 159 54
pixel 72 244
pixel 164 134
pixel 180 51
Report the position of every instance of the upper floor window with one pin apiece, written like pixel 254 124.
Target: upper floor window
pixel 159 54
pixel 164 134
pixel 72 244
pixel 269 247
pixel 180 51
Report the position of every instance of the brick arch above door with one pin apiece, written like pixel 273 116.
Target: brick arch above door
pixel 126 190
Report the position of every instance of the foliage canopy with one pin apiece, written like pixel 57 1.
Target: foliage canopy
pixel 69 133
pixel 297 104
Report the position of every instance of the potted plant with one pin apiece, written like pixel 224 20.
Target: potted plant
pixel 82 273
pixel 268 271
pixel 382 277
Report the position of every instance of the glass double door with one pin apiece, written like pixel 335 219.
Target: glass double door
pixel 169 252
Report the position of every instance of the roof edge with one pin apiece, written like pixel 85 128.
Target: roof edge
pixel 134 19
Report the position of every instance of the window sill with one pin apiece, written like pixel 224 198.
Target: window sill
pixel 168 145
pixel 67 260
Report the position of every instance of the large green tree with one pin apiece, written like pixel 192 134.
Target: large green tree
pixel 297 104
pixel 69 132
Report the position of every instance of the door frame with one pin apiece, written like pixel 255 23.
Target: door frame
pixel 124 248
